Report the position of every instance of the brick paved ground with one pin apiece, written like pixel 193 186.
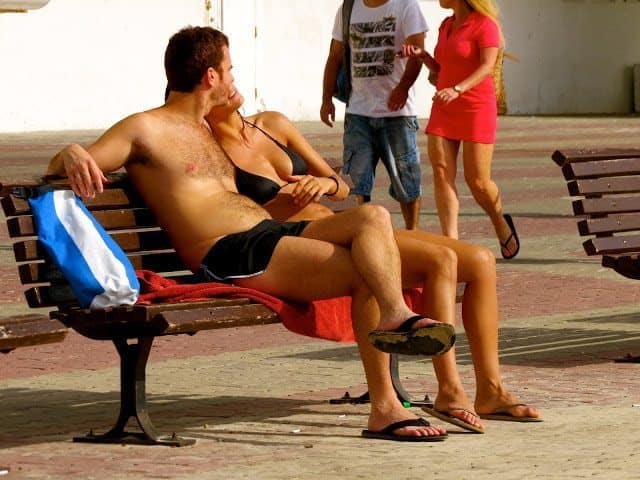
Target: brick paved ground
pixel 255 398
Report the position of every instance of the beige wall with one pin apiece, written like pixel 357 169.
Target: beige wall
pixel 576 55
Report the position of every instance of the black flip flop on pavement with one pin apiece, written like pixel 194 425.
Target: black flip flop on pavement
pixel 387 433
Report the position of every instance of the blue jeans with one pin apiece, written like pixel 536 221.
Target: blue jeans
pixel 390 139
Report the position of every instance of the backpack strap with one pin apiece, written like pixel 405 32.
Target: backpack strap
pixel 347 7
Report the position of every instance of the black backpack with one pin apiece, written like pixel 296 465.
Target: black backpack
pixel 342 89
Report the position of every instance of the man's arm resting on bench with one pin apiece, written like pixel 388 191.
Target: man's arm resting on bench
pixel 86 167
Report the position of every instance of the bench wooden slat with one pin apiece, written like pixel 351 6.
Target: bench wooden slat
pixel 143 313
pixel 590 154
pixel 23 226
pixel 9 185
pixel 603 186
pixel 605 205
pixel 31 273
pixel 59 296
pixel 59 293
pixel 161 262
pixel 609 224
pixel 28 330
pixel 612 245
pixel 195 319
pixel 603 168
pixel 112 198
pixel 147 241
pixel 166 319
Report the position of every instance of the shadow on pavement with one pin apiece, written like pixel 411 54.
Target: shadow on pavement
pixel 34 416
pixel 542 347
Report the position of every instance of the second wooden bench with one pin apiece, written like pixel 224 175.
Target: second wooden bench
pixel 606 184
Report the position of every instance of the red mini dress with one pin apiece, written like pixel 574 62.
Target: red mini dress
pixel 473 115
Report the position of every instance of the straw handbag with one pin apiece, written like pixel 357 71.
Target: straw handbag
pixel 498 81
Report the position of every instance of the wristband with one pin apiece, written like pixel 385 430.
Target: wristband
pixel 333 177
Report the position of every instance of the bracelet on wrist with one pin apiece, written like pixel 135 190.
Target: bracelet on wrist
pixel 333 177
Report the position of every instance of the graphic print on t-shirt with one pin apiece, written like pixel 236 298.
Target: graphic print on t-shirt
pixel 372 44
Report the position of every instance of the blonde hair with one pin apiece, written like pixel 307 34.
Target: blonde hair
pixel 488 8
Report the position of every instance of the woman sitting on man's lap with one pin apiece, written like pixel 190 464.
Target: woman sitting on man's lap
pixel 278 168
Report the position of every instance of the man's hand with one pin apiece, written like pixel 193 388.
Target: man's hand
pixel 85 177
pixel 397 98
pixel 411 51
pixel 328 112
pixel 309 189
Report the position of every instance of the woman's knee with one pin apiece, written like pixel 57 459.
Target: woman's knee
pixel 482 261
pixel 315 210
pixel 439 261
pixel 479 185
pixel 448 262
pixel 440 172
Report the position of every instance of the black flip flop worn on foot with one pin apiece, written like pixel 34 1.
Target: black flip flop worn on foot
pixel 514 236
pixel 503 414
pixel 430 340
pixel 387 432
pixel 445 415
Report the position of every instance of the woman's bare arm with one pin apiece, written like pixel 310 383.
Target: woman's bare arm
pixel 332 185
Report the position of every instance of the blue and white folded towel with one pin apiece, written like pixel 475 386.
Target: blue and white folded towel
pixel 97 269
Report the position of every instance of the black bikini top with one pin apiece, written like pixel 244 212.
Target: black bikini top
pixel 262 189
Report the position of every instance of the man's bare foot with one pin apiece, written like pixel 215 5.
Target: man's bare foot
pixel 379 420
pixel 501 405
pixel 400 321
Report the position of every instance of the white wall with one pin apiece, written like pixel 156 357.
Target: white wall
pixel 239 22
pixel 86 63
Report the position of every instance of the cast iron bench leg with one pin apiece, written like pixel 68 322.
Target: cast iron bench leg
pixel 133 401
pixel 403 395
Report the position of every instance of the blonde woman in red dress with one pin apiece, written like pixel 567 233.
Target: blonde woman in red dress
pixel 464 113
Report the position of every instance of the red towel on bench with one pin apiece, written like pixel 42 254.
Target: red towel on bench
pixel 329 319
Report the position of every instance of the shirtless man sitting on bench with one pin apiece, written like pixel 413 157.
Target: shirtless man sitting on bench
pixel 188 182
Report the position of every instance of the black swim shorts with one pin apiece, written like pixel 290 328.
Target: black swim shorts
pixel 247 254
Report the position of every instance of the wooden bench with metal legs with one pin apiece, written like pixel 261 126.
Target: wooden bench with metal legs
pixel 132 329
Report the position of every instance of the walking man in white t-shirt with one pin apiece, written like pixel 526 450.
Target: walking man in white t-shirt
pixel 380 121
